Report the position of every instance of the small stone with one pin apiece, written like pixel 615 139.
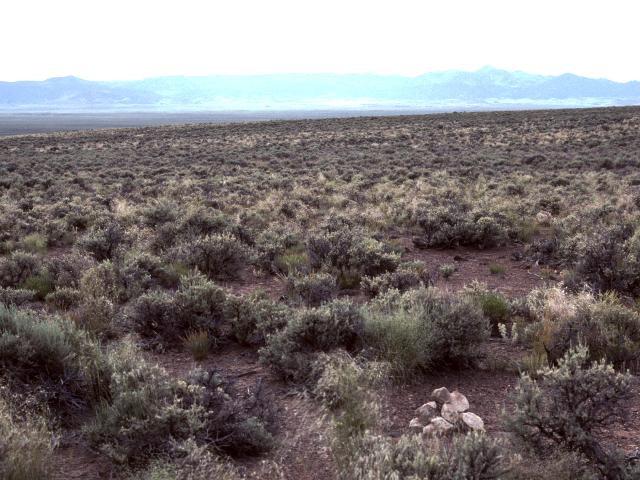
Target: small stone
pixel 543 218
pixel 440 425
pixel 472 421
pixel 427 411
pixel 441 395
pixel 458 401
pixel 429 431
pixel 415 425
pixel 449 413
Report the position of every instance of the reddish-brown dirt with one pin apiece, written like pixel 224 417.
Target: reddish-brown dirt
pixel 518 278
pixel 75 461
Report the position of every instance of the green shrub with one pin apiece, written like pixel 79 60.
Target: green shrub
pixel 102 280
pixel 605 260
pixel 609 329
pixel 40 283
pixel 198 343
pixel 52 353
pixel 474 456
pixel 457 224
pixel 344 247
pixel 292 260
pixel 17 267
pixel 64 298
pixel 143 272
pixel 190 462
pixel 494 306
pixel 278 250
pixel 497 269
pixel 34 243
pixel 96 315
pixel 16 296
pixel 26 445
pixel 103 241
pixel 255 316
pixel 148 410
pixel 447 269
pixel 337 324
pixel 163 318
pixel 67 269
pixel 403 279
pixel 568 406
pixel 422 328
pixel 313 289
pixel 217 256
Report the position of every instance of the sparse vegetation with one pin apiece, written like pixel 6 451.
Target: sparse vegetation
pixel 359 260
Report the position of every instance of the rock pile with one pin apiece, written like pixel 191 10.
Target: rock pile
pixel 447 412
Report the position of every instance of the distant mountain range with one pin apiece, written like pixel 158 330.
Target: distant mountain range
pixel 482 89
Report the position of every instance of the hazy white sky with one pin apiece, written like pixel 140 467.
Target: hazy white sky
pixel 129 39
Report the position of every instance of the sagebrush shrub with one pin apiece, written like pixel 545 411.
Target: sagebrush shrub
pixel 609 329
pixel 345 247
pixel 67 269
pixel 17 267
pixel 313 289
pixel 163 318
pixel 96 315
pixel 64 298
pixel 424 328
pixel 560 321
pixel 290 351
pixel 102 280
pixel 604 262
pixel 255 316
pixel 160 212
pixel 148 410
pixel 152 316
pixel 144 271
pixel 569 405
pixel 374 457
pixel 103 241
pixel 217 256
pixel 16 296
pixel 52 353
pixel 457 224
pixel 403 279
pixel 189 461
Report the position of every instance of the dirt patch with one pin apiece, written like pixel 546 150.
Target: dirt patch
pixel 76 461
pixel 515 277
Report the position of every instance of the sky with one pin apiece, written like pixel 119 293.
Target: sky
pixel 134 39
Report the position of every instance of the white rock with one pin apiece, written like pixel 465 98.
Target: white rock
pixel 427 411
pixel 416 425
pixel 429 431
pixel 543 218
pixel 458 402
pixel 472 421
pixel 450 413
pixel 441 395
pixel 440 425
